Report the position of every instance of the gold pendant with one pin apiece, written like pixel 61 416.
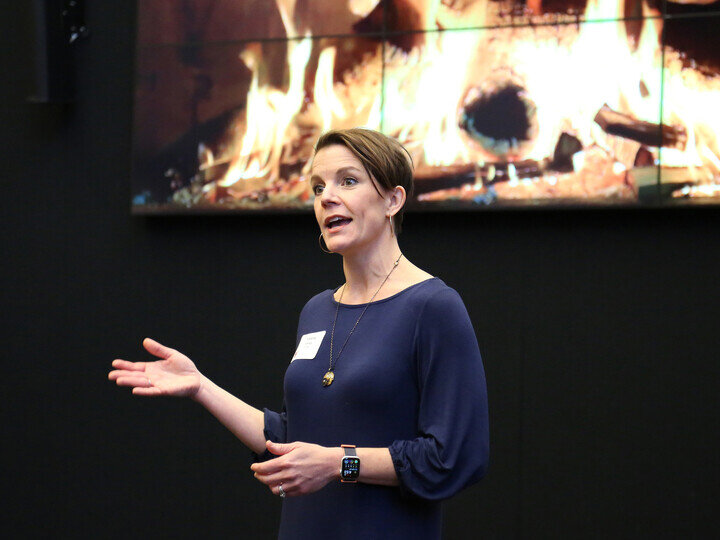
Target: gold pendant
pixel 328 378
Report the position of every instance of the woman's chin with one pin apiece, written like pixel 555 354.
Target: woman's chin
pixel 341 246
pixel 337 247
pixel 353 246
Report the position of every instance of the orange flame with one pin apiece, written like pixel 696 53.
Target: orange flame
pixel 567 75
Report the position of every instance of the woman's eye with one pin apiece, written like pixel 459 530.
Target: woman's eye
pixel 317 189
pixel 349 181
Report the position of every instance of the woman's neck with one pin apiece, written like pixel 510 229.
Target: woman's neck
pixel 365 271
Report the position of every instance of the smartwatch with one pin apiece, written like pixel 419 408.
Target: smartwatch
pixel 350 466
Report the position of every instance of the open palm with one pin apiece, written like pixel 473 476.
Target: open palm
pixel 174 375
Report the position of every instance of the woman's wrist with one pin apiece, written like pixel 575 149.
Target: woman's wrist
pixel 376 466
pixel 335 461
pixel 203 389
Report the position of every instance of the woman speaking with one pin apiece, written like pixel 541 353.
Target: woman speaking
pixel 385 406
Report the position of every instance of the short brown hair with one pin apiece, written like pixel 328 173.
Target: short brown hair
pixel 384 159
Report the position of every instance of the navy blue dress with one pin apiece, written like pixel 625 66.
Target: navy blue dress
pixel 410 379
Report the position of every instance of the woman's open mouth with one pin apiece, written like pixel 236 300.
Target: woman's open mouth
pixel 336 222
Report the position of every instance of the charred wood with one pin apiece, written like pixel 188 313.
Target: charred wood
pixel 644 158
pixel 566 146
pixel 493 173
pixel 429 179
pixel 647 133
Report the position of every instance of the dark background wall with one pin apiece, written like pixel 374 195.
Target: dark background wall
pixel 598 331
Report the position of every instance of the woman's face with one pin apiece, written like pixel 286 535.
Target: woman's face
pixel 351 213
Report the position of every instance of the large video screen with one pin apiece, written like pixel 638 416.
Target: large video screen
pixel 505 103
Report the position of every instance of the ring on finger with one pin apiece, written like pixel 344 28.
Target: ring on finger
pixel 281 491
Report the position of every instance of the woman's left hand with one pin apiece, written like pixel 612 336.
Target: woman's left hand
pixel 300 468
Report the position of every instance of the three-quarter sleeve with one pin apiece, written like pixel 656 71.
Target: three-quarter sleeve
pixel 452 447
pixel 275 430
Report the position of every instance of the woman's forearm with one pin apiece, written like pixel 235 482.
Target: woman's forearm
pixel 244 421
pixel 376 466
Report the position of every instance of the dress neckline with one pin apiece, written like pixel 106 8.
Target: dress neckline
pixel 335 302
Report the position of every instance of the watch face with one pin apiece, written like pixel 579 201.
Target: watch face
pixel 350 468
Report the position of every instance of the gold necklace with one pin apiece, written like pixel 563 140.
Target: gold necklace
pixel 329 377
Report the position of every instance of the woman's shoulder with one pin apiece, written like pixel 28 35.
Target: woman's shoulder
pixel 436 293
pixel 443 316
pixel 320 299
pixel 427 294
pixel 436 303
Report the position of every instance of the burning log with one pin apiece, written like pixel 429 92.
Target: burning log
pixel 493 173
pixel 429 179
pixel 596 179
pixel 647 133
pixel 432 179
pixel 566 146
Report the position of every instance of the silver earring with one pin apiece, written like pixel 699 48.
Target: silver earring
pixel 320 241
pixel 392 227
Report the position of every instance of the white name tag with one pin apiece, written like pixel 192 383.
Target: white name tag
pixel 308 346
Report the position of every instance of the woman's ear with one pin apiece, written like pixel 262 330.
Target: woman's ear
pixel 396 200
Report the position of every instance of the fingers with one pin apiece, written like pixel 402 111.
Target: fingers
pixel 135 374
pixel 273 465
pixel 115 374
pixel 283 490
pixel 274 479
pixel 279 449
pixel 141 385
pixel 284 477
pixel 124 369
pixel 265 468
pixel 157 349
pixel 129 366
pixel 133 380
pixel 147 391
pixel 121 374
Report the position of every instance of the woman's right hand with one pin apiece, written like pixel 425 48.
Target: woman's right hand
pixel 174 375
